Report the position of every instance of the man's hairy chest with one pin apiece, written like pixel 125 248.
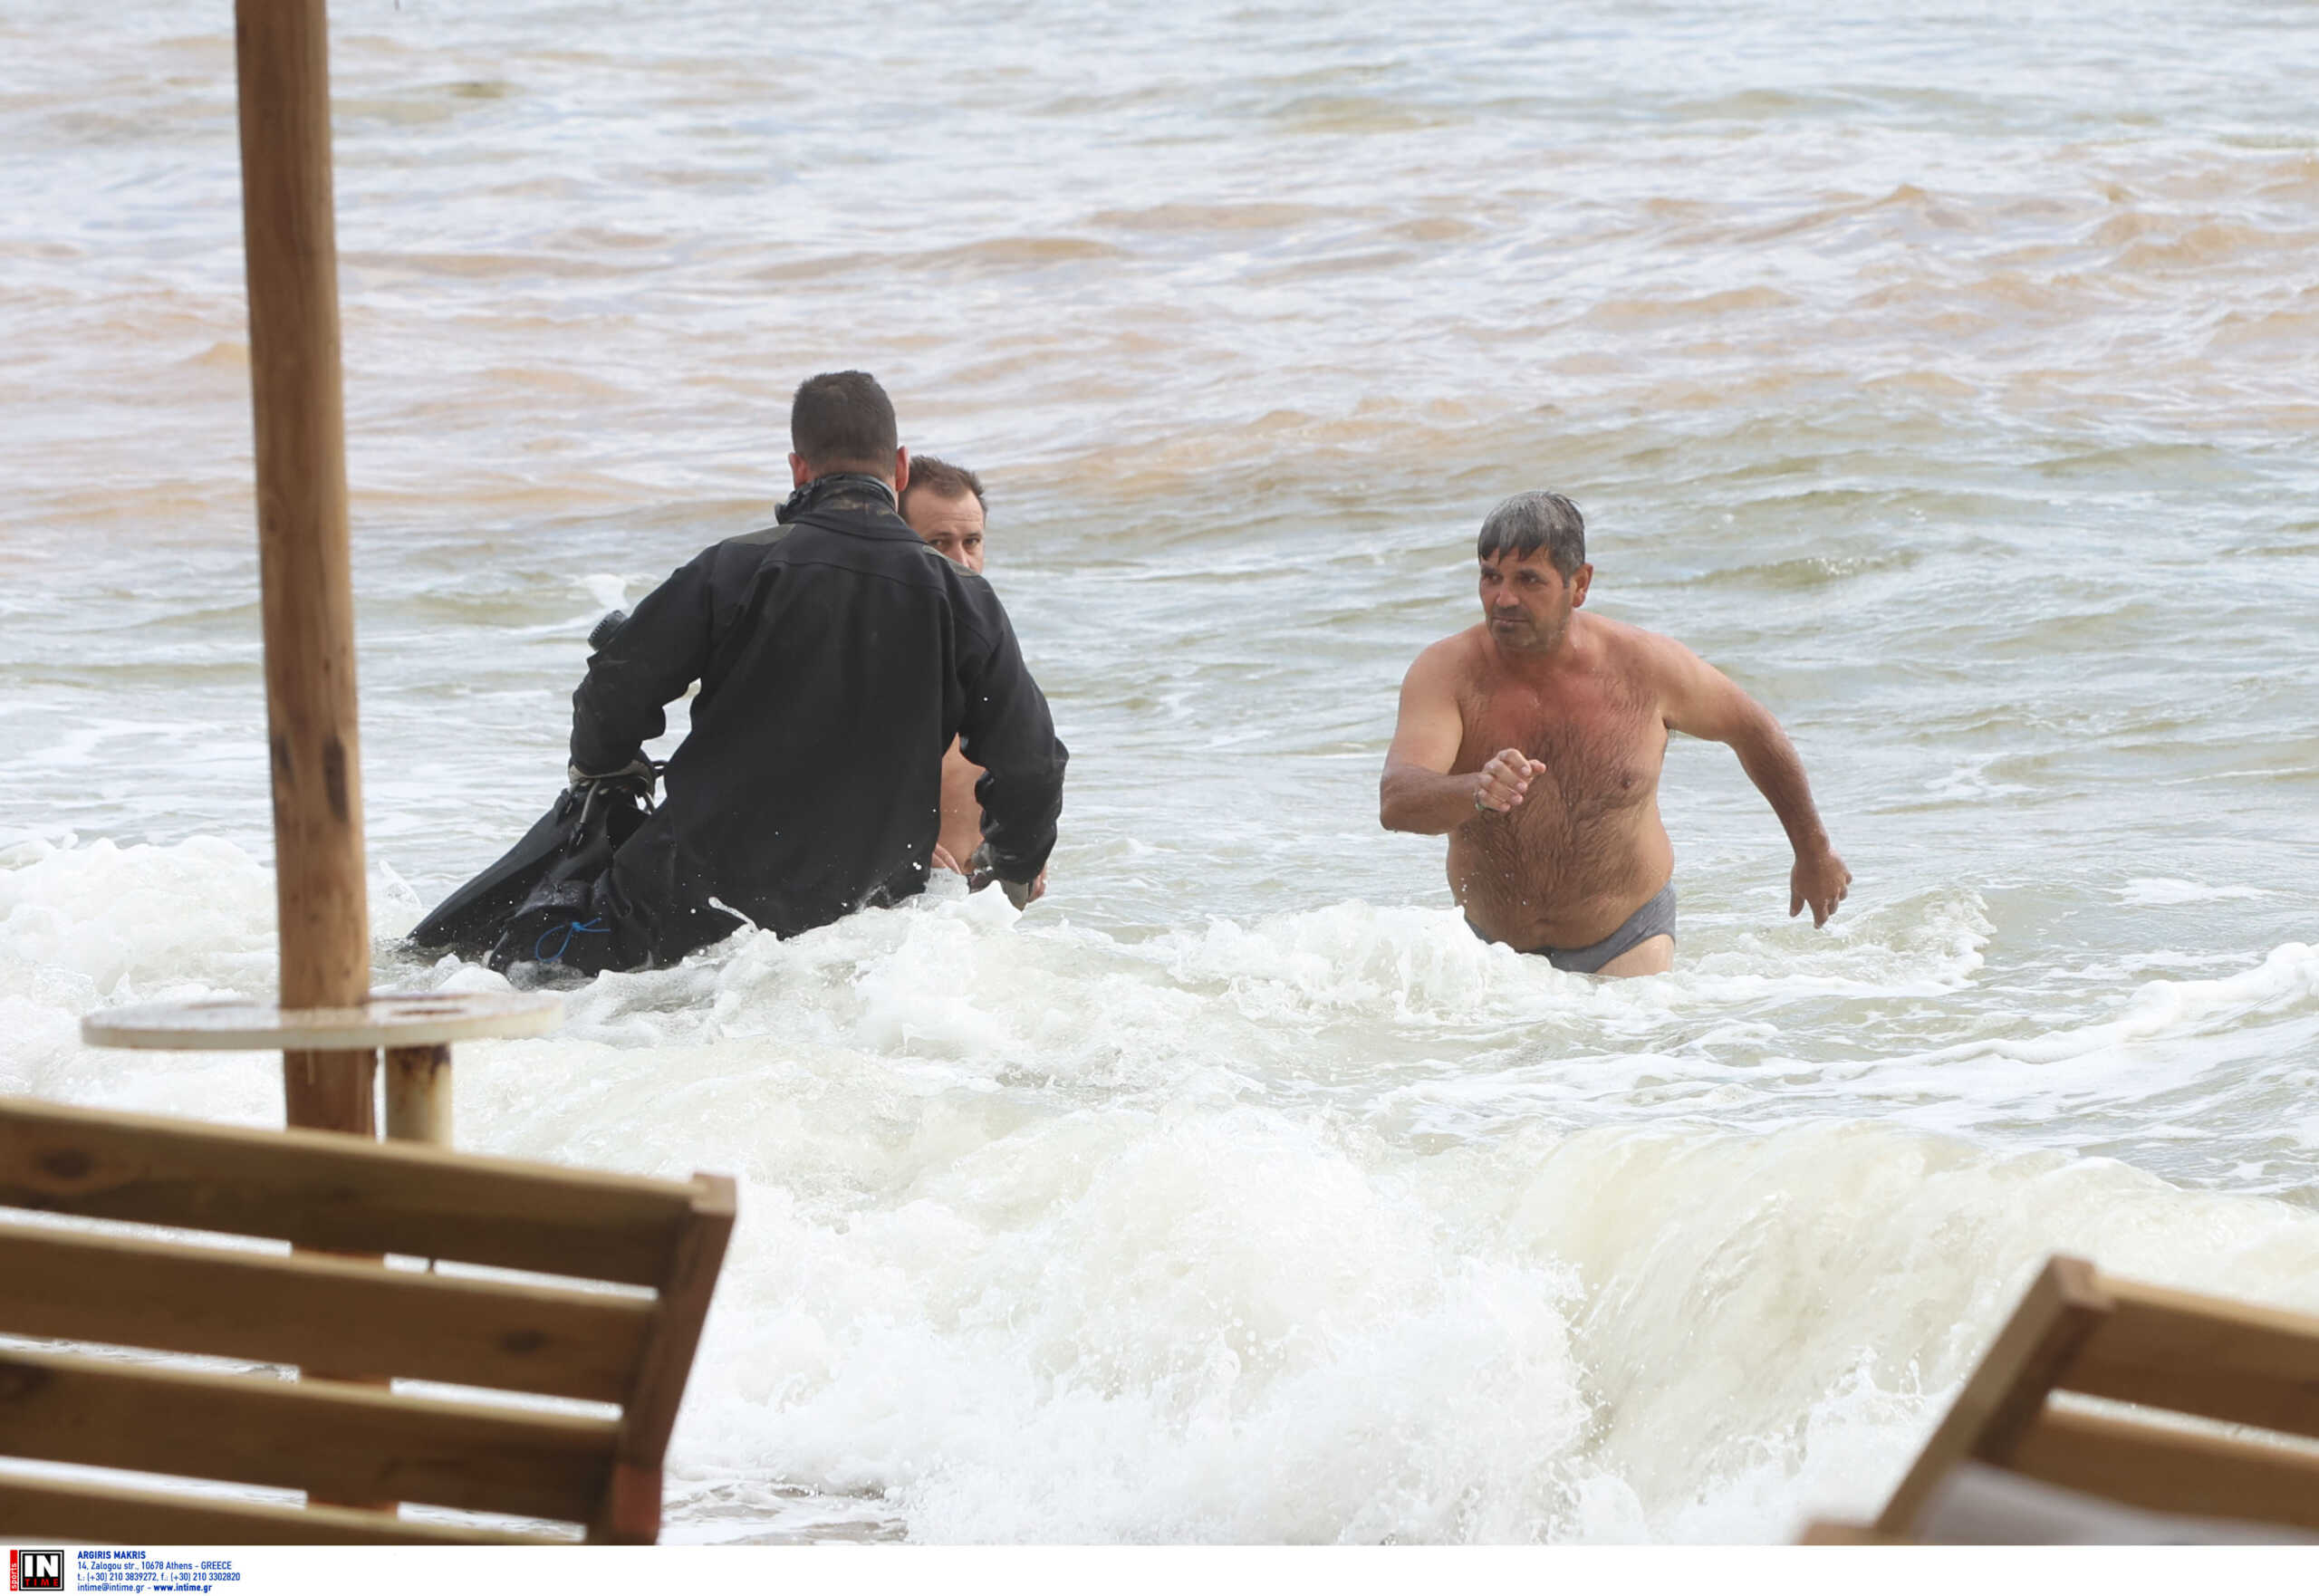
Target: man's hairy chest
pixel 1599 737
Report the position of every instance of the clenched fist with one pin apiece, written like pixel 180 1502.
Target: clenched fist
pixel 1505 781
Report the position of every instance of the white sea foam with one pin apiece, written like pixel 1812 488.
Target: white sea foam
pixel 608 591
pixel 2164 891
pixel 1336 1225
pixel 2168 1035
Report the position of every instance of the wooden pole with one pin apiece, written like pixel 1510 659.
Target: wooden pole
pixel 282 50
pixel 418 1093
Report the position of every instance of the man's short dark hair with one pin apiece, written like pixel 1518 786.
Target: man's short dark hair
pixel 843 421
pixel 1529 522
pixel 943 480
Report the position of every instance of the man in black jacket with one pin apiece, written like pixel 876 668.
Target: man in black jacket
pixel 837 656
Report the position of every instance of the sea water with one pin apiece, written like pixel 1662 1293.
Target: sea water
pixel 1946 379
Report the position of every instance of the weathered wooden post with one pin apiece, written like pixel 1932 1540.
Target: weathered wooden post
pixel 328 1024
pixel 418 1093
pixel 289 233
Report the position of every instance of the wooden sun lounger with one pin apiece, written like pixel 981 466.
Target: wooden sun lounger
pixel 342 1442
pixel 2173 1353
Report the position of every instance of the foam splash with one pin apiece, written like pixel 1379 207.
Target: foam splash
pixel 1334 1225
pixel 2166 891
pixel 1114 1325
pixel 121 920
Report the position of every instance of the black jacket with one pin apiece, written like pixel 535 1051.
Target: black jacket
pixel 837 657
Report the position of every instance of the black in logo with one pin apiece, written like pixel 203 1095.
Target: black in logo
pixel 36 1570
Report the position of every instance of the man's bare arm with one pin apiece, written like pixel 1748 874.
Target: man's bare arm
pixel 961 843
pixel 1418 794
pixel 961 810
pixel 1700 701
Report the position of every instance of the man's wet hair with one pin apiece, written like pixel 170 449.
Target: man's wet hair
pixel 1529 522
pixel 943 480
pixel 843 421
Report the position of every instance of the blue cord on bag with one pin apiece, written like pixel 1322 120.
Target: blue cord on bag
pixel 570 929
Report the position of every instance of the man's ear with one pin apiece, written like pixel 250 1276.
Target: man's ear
pixel 902 473
pixel 798 475
pixel 1579 584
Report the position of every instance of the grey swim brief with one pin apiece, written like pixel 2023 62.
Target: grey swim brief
pixel 1654 918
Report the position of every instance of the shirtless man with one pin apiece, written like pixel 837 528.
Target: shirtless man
pixel 944 505
pixel 1536 741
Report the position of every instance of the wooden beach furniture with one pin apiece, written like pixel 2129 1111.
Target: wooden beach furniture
pixel 415 1029
pixel 311 1338
pixel 638 1259
pixel 2177 1357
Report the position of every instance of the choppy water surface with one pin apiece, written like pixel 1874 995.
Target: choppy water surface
pixel 1947 379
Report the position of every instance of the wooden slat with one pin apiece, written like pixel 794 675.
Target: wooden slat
pixel 335 1193
pixel 102 1516
pixel 341 1442
pixel 2170 1471
pixel 630 1515
pixel 1844 1531
pixel 2006 1393
pixel 632 1507
pixel 320 1313
pixel 685 1293
pixel 2234 1361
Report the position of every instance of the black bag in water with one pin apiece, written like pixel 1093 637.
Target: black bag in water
pixel 571 843
pixel 553 868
